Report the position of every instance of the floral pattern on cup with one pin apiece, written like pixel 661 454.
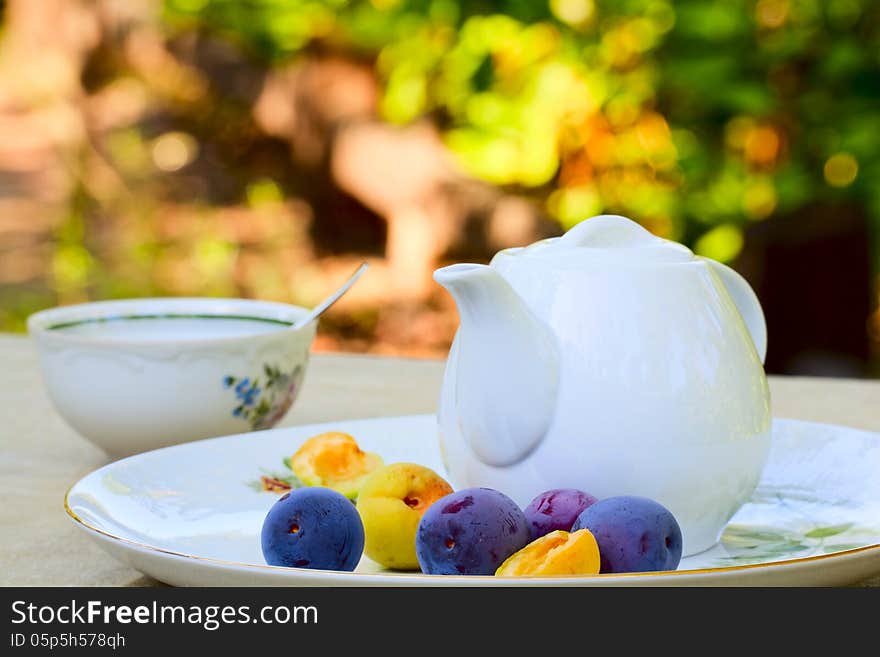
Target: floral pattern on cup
pixel 264 400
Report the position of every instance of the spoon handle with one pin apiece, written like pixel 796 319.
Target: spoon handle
pixel 318 310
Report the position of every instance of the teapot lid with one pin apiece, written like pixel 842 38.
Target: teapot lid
pixel 605 238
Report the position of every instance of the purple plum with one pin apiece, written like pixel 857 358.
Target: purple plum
pixel 470 532
pixel 556 509
pixel 313 527
pixel 634 534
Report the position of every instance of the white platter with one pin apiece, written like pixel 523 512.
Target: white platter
pixel 190 515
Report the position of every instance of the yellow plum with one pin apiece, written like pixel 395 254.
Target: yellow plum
pixel 557 553
pixel 334 460
pixel 391 503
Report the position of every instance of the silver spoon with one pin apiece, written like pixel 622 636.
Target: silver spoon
pixel 318 310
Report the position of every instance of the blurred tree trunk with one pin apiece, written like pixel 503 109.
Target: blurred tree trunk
pixel 325 106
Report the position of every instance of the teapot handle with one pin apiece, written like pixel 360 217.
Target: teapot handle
pixel 746 302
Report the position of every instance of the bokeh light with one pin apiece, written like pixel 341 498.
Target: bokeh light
pixel 721 243
pixel 841 170
pixel 575 12
pixel 173 151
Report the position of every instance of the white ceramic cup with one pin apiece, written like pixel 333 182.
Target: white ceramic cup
pixel 135 375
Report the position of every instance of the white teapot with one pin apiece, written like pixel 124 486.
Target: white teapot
pixel 612 361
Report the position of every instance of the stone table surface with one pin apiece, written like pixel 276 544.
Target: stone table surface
pixel 41 457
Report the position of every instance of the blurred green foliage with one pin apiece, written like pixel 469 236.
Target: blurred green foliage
pixel 695 117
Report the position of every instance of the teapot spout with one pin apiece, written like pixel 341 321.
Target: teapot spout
pixel 506 366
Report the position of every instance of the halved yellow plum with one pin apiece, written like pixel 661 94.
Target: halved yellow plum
pixel 557 553
pixel 334 460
